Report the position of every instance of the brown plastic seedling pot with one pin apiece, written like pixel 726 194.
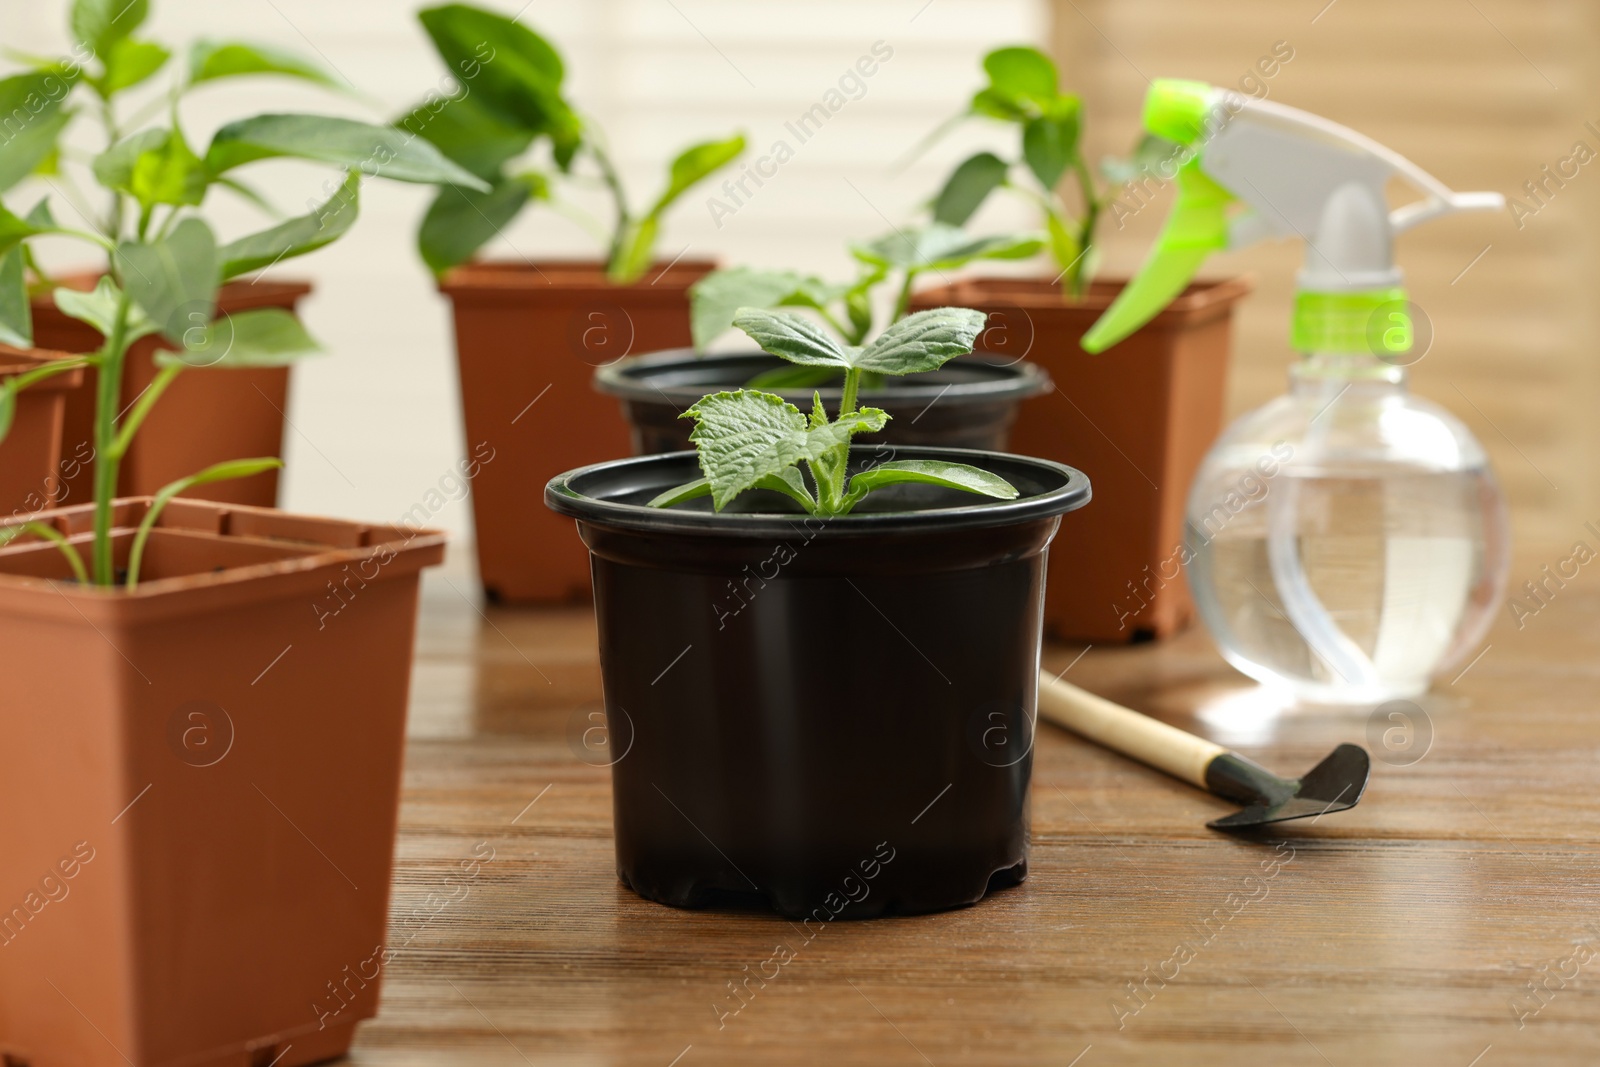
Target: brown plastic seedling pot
pixel 529 337
pixel 201 779
pixel 31 463
pixel 204 417
pixel 1137 419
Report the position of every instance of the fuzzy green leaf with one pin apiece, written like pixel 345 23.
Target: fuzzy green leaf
pixel 930 472
pixel 939 246
pixel 296 236
pixel 745 436
pixel 923 342
pixel 967 188
pixel 794 338
pixel 174 279
pixel 377 151
pixel 261 337
pixel 211 60
pixel 717 298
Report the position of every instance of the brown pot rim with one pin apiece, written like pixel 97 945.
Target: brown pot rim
pixel 236 295
pixel 522 277
pixel 407 551
pixel 15 361
pixel 1203 298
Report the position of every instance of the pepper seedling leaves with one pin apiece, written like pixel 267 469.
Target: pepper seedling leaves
pixel 213 60
pixel 468 133
pixel 939 246
pixel 297 236
pixel 260 337
pixel 379 151
pixel 16 313
pixel 228 470
pixel 99 309
pixel 154 166
pixel 461 221
pixel 746 436
pixel 31 141
pixel 516 72
pixel 101 23
pixel 1050 141
pixel 1021 76
pixel 173 279
pixel 129 63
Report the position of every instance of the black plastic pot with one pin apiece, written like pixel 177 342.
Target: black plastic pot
pixel 834 716
pixel 970 402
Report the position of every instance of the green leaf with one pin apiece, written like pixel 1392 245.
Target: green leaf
pixel 1064 246
pixel 261 337
pixel 516 73
pixel 792 484
pixel 967 188
pixel 461 221
pixel 923 342
pixel 43 531
pixel 16 314
pixel 377 151
pixel 1049 145
pixel 220 472
pixel 14 230
pixel 211 60
pixel 929 472
pixel 795 377
pixel 468 133
pixel 793 337
pixel 744 437
pixel 31 118
pixel 696 164
pixel 636 251
pixel 687 491
pixel 297 236
pixel 1021 73
pixel 99 309
pixel 173 279
pixel 129 62
pixel 154 166
pixel 101 23
pixel 716 298
pixel 938 246
pixel 994 105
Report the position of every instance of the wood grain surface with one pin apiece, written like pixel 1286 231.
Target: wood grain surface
pixel 1413 929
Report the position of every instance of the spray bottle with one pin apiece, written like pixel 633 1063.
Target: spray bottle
pixel 1347 540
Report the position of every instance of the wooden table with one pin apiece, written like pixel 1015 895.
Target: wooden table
pixel 1412 929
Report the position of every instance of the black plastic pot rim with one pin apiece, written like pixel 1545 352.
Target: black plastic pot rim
pixel 573 494
pixel 627 379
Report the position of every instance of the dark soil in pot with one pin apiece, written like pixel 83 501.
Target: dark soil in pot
pixel 831 716
pixel 967 403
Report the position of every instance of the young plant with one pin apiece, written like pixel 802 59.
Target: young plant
pixel 506 100
pixel 748 439
pixel 164 263
pixel 1023 91
pixel 900 257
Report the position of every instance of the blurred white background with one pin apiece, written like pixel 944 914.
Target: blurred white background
pixel 375 424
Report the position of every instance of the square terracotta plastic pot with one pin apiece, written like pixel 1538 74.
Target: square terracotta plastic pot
pixel 31 464
pixel 529 337
pixel 205 417
pixel 201 779
pixel 1137 419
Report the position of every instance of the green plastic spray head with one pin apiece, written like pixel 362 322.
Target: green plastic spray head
pixel 1198 226
pixel 1293 174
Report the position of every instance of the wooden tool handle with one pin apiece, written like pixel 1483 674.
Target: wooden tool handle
pixel 1167 748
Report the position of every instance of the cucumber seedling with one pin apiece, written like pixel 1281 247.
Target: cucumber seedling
pixel 749 439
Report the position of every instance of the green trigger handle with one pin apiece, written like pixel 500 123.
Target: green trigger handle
pixel 1197 227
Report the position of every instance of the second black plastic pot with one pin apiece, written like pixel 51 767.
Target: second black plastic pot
pixel 834 716
pixel 970 402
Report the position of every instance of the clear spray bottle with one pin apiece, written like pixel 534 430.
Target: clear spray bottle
pixel 1348 540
